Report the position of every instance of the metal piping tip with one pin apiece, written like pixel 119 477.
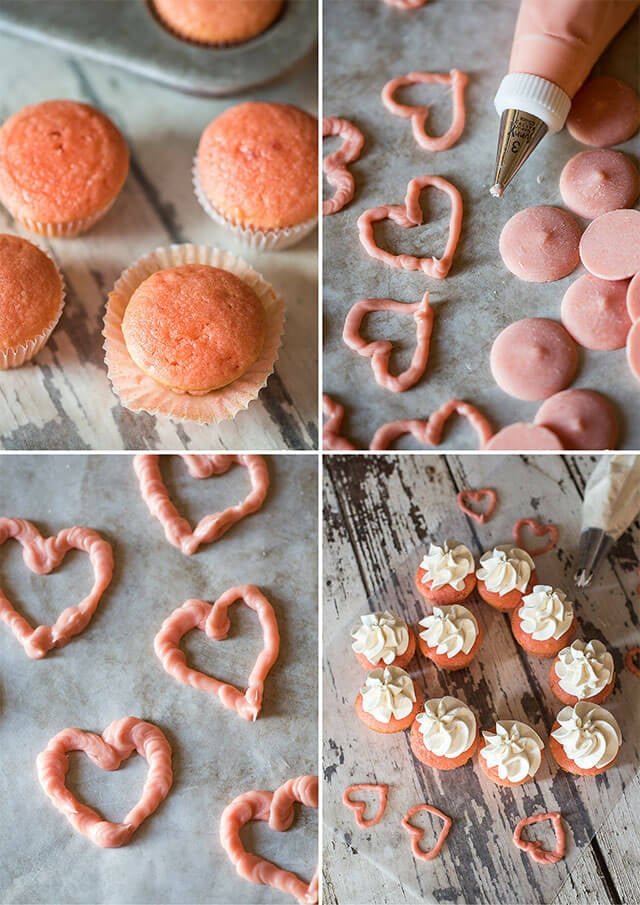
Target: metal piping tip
pixel 520 133
pixel 595 544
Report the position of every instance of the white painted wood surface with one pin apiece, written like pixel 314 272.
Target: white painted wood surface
pixel 64 400
pixel 379 513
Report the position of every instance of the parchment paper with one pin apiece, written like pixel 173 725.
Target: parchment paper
pixel 366 43
pixel 111 671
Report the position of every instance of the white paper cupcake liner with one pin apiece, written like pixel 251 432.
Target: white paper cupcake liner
pixel 141 393
pixel 21 354
pixel 61 230
pixel 255 239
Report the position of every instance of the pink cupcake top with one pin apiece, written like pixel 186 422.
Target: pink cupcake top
pixel 60 161
pixel 258 165
pixel 217 21
pixel 30 292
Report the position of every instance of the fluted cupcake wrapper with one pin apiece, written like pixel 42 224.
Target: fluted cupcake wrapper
pixel 139 392
pixel 255 239
pixel 62 230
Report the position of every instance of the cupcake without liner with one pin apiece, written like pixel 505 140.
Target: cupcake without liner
pixel 445 733
pixel 511 753
pixel 452 636
pixel 544 623
pixel 584 671
pixel 504 575
pixel 216 23
pixel 585 739
pixel 388 701
pixel 62 165
pixel 382 639
pixel 446 573
pixel 140 392
pixel 256 173
pixel 31 300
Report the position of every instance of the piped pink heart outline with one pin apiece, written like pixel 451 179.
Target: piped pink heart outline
pixel 211 527
pixel 359 806
pixel 335 165
pixel 107 751
pixel 214 621
pixel 276 808
pixel 534 847
pixel 419 114
pixel 429 432
pixel 331 436
pixel 379 351
pixel 417 834
pixel 43 555
pixel 477 496
pixel 408 215
pixel 537 529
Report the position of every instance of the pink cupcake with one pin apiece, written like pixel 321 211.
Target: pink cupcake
pixel 446 573
pixel 217 22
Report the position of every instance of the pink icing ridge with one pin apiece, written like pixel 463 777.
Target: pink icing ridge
pixel 211 527
pixel 335 165
pixel 408 215
pixel 476 496
pixel 359 807
pixel 380 351
pixel 42 556
pixel 108 751
pixel 214 621
pixel 429 432
pixel 276 808
pixel 534 848
pixel 419 114
pixel 334 413
pixel 417 833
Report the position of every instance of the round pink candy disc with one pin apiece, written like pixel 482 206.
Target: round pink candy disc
pixel 581 419
pixel 604 112
pixel 633 349
pixel 633 298
pixel 595 313
pixel 540 244
pixel 610 246
pixel 594 182
pixel 533 358
pixel 523 436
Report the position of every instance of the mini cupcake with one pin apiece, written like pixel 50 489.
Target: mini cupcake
pixel 389 700
pixel 505 574
pixel 585 739
pixel 256 172
pixel 511 755
pixel 452 636
pixel 446 573
pixel 383 639
pixel 62 165
pixel 31 300
pixel 583 671
pixel 218 22
pixel 445 733
pixel 545 622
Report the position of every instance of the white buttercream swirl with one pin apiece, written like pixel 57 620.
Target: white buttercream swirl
pixel 450 629
pixel 514 748
pixel 448 726
pixel 505 568
pixel 589 735
pixel 388 692
pixel 447 564
pixel 584 669
pixel 545 613
pixel 382 636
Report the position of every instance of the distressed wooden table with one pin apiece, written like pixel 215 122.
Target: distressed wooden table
pixel 64 400
pixel 379 513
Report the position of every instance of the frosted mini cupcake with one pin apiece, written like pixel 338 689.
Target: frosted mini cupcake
pixel 583 671
pixel 389 700
pixel 62 165
pixel 256 173
pixel 505 574
pixel 512 754
pixel 218 22
pixel 585 739
pixel 545 622
pixel 445 733
pixel 452 636
pixel 31 300
pixel 446 573
pixel 382 639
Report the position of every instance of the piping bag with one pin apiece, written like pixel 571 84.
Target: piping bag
pixel 555 45
pixel 611 502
